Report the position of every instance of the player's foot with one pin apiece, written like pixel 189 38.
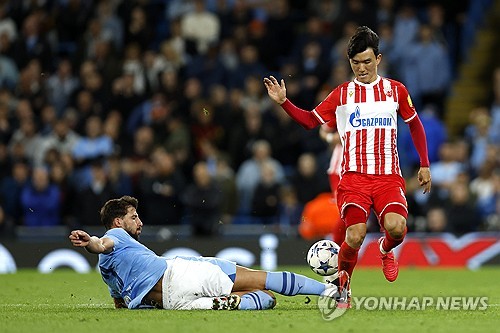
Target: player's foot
pixel 344 289
pixel 231 302
pixel 390 266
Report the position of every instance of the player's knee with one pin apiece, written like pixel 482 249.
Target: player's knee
pixel 395 225
pixel 355 235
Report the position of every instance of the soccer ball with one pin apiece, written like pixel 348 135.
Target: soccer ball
pixel 322 257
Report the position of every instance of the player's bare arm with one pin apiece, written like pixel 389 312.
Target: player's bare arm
pixel 93 244
pixel 275 90
pixel 424 179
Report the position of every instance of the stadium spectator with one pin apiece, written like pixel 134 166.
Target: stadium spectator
pixel 202 200
pixel 28 137
pixel 93 196
pixel 253 128
pixel 161 187
pixel 61 85
pixel 426 70
pixel 121 183
pixel 437 220
pixel 135 158
pixel 290 210
pixel 436 133
pixel 266 197
pixel 200 28
pixel 40 200
pixel 364 184
pixel 137 277
pixel 60 138
pixel 307 181
pixel 31 44
pixel 9 76
pixel 482 188
pixel 461 212
pixel 11 188
pixel 94 145
pixel 477 134
pixel 248 174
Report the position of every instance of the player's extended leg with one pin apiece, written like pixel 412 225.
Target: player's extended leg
pixel 355 219
pixel 252 284
pixel 395 232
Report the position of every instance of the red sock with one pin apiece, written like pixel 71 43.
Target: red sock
pixel 389 243
pixel 348 257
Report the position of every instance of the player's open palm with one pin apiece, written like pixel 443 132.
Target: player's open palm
pixel 275 89
pixel 79 238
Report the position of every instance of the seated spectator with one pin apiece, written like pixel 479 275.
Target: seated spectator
pixel 93 196
pixel 40 200
pixel 461 212
pixel 266 197
pixel 202 200
pixel 249 174
pixel 161 187
pixel 11 188
pixel 88 148
pixel 290 210
pixel 436 220
pixel 307 180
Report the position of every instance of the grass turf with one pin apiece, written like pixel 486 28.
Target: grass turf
pixel 65 301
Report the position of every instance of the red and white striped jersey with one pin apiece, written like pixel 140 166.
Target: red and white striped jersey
pixel 366 117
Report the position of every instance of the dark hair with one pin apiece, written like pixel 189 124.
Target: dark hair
pixel 361 40
pixel 116 208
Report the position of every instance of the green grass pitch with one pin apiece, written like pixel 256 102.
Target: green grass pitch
pixel 65 301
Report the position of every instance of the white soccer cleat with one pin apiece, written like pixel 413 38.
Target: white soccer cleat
pixel 231 302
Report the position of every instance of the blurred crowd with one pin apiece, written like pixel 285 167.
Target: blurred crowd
pixel 164 100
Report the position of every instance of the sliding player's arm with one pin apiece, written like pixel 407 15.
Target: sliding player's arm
pixel 92 244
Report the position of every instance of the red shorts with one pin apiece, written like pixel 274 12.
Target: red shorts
pixel 383 193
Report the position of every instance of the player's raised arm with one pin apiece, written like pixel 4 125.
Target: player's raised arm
pixel 277 92
pixel 93 244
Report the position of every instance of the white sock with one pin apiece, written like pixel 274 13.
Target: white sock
pixel 382 249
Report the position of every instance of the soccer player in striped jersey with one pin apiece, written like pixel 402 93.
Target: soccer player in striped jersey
pixel 365 111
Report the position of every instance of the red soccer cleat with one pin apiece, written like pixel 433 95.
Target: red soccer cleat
pixel 344 290
pixel 390 266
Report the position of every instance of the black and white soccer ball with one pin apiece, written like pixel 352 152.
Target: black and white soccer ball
pixel 323 257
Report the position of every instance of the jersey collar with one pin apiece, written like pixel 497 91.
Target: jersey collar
pixel 377 80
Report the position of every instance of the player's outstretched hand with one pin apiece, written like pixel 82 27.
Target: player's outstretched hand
pixel 275 90
pixel 79 238
pixel 424 178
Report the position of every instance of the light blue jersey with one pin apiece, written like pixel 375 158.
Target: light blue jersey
pixel 131 269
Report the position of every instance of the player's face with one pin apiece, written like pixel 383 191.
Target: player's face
pixel 131 223
pixel 364 65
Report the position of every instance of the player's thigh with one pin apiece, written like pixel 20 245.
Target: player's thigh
pixel 249 279
pixel 389 197
pixel 354 191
